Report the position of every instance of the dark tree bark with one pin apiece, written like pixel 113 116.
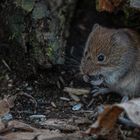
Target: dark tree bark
pixel 39 27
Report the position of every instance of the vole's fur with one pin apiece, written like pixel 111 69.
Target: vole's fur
pixel 121 67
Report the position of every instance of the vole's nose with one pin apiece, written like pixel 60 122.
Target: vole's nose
pixel 95 77
pixel 88 78
pixel 96 80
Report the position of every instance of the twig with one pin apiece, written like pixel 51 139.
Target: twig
pixel 76 91
pixel 6 65
pixel 29 96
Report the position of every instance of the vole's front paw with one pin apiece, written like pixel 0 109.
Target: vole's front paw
pixel 99 90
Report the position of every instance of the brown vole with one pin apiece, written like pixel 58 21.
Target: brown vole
pixel 112 58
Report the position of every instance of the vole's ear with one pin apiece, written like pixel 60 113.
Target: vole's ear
pixel 95 27
pixel 123 37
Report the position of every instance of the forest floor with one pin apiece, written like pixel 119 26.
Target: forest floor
pixel 42 103
pixel 42 94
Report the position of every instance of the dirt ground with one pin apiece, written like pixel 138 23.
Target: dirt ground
pixel 46 85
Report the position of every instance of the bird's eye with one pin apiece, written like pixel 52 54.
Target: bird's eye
pixel 101 57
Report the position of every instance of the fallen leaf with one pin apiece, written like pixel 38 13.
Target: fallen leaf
pixel 20 126
pixel 105 122
pixel 15 125
pixel 41 135
pixel 62 125
pixel 20 136
pixel 132 108
pixel 27 132
pixel 108 5
pixel 6 104
pixel 2 126
pixel 107 119
pixel 3 138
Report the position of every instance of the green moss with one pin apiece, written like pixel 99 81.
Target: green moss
pixel 131 17
pixel 40 11
pixel 97 5
pixel 28 5
pixel 17 26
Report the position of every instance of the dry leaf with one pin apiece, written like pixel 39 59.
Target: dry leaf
pixel 62 125
pixel 27 132
pixel 105 122
pixel 6 104
pixel 20 126
pixel 105 5
pixel 132 108
pixel 20 136
pixel 108 5
pixel 3 138
pixel 40 135
pixel 2 126
pixel 107 119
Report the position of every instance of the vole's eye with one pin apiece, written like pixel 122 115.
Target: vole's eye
pixel 101 57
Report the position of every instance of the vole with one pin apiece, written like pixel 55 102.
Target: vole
pixel 112 58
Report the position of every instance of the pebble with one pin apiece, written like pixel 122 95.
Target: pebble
pixel 64 99
pixel 77 107
pixel 38 119
pixel 7 117
pixel 29 88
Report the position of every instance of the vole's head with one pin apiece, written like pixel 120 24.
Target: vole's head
pixel 109 53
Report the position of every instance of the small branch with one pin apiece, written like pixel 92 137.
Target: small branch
pixel 6 65
pixel 76 91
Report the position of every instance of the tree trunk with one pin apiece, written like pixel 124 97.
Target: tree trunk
pixel 40 28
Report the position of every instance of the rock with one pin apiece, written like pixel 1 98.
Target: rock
pixel 135 4
pixel 7 117
pixel 77 107
pixel 38 119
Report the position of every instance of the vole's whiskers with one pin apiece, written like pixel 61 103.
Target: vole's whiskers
pixel 76 58
pixel 72 60
pixel 73 66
